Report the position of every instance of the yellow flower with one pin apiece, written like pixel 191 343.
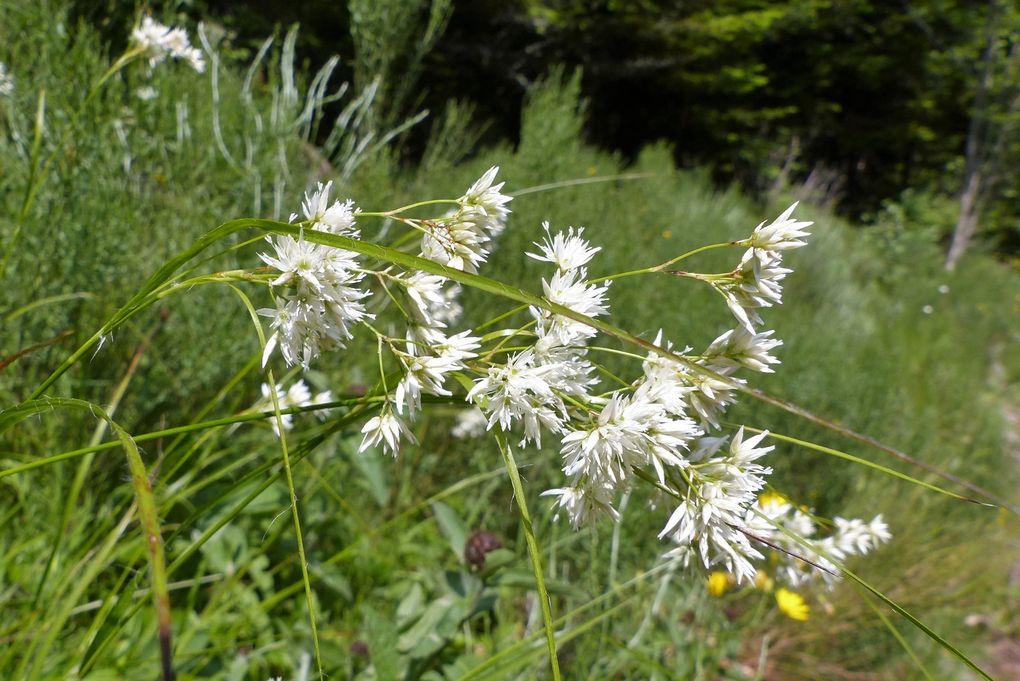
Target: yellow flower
pixel 762 580
pixel 771 497
pixel 719 583
pixel 792 604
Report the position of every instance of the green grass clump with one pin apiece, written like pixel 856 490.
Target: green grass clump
pixel 137 181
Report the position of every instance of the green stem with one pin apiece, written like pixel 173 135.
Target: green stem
pixel 397 211
pixel 297 521
pixel 533 552
pixel 83 468
pixel 662 266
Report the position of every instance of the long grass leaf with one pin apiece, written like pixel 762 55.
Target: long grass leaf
pixel 870 464
pixel 533 552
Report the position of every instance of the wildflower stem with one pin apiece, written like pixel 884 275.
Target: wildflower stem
pixel 580 181
pixel 496 320
pixel 533 552
pixel 397 211
pixel 662 266
pixel 297 519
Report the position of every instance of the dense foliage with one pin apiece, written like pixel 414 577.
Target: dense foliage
pixel 860 99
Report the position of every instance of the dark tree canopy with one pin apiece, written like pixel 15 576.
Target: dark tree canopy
pixel 862 98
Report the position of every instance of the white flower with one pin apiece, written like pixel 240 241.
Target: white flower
pixel 6 81
pixel 297 395
pixel 739 348
pixel 471 423
pixel 386 429
pixel 708 528
pixel 713 515
pixel 457 244
pixel 158 41
pixel 336 218
pixel 629 432
pixel 460 239
pixel 321 301
pixel 485 198
pixel 789 528
pixel 430 301
pixel 570 289
pixel 677 386
pixel 427 373
pixel 566 252
pixel 782 234
pixel 585 502
pixel 314 320
pixel 297 259
pixel 522 390
pixel 325 397
pixel 743 451
pixel 754 284
pixel 146 93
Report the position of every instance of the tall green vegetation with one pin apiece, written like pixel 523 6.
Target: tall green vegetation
pixel 871 340
pixel 857 100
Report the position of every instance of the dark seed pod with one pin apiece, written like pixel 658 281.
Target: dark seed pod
pixel 478 544
pixel 359 649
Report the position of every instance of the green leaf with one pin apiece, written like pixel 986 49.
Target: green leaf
pixel 452 527
pixel 381 636
pixel 374 474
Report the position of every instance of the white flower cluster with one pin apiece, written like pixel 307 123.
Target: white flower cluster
pixel 429 355
pixel 658 427
pixel 6 81
pixel 778 521
pixel 461 239
pixel 661 427
pixel 317 299
pixel 535 385
pixel 298 395
pixel 754 284
pixel 711 521
pixel 158 42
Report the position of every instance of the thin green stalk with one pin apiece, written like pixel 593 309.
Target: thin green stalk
pixel 297 522
pixel 282 433
pixel 864 462
pixel 190 428
pixel 907 648
pixel 533 552
pixel 499 318
pixel 397 211
pixel 83 467
pixel 661 267
pixel 48 300
pixel 580 181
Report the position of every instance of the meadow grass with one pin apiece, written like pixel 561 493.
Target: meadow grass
pixel 137 181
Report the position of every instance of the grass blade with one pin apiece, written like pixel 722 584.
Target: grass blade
pixel 533 552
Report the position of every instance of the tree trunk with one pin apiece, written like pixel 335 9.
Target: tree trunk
pixel 967 221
